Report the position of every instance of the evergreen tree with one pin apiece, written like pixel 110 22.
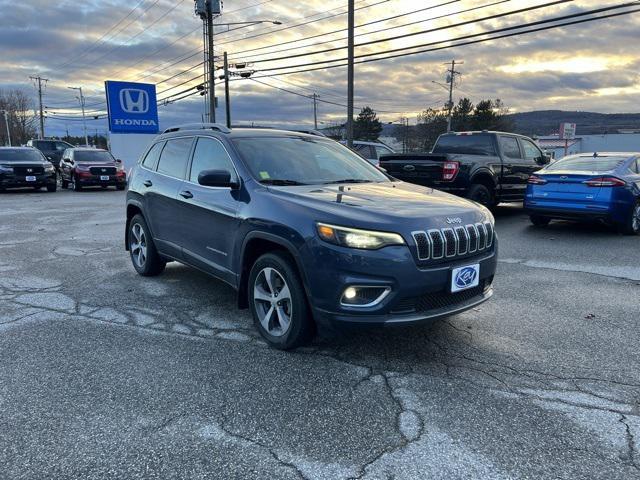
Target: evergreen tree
pixel 367 126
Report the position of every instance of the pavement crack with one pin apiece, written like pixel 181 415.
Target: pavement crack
pixel 631 444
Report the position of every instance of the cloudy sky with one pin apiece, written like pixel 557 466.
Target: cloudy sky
pixel 591 66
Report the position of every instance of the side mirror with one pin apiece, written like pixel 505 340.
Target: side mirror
pixel 216 178
pixel 545 159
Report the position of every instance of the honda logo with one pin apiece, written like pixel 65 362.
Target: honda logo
pixel 133 100
pixel 29 170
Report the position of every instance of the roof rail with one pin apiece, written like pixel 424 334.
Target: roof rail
pixel 199 126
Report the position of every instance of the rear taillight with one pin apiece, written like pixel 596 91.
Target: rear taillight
pixel 450 170
pixel 605 182
pixel 536 180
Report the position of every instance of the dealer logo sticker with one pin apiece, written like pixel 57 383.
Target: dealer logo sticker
pixel 465 277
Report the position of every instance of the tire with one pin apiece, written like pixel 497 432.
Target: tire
pixel 632 225
pixel 143 252
pixel 52 188
pixel 120 187
pixel 64 183
pixel 539 221
pixel 76 184
pixel 289 324
pixel 482 194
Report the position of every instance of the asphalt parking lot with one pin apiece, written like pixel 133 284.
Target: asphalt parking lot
pixel 105 374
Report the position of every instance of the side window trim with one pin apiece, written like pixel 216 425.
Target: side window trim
pixel 523 142
pixel 193 150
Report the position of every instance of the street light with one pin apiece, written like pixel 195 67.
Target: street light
pixel 84 120
pixel 207 11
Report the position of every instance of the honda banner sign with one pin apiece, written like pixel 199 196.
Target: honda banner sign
pixel 132 107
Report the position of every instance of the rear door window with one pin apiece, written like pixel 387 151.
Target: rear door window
pixel 151 160
pixel 175 157
pixel 510 148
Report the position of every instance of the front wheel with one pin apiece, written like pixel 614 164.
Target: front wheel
pixel 632 226
pixel 144 256
pixel 52 188
pixel 278 302
pixel 539 221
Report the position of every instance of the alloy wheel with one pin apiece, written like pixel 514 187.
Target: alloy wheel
pixel 138 245
pixel 272 301
pixel 635 221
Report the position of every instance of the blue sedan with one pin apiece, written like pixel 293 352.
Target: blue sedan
pixel 588 187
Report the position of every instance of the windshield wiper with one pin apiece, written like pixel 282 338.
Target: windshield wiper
pixel 281 182
pixel 349 180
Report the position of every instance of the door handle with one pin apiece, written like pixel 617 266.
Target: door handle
pixel 147 183
pixel 186 194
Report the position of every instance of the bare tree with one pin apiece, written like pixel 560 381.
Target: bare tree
pixel 20 116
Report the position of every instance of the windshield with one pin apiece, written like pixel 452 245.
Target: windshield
pixel 8 155
pixel 587 164
pixel 96 156
pixel 304 161
pixel 465 144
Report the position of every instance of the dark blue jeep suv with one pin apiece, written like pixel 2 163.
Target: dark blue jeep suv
pixel 308 232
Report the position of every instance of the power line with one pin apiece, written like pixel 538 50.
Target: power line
pixel 489 32
pixel 240 39
pixel 101 39
pixel 357 26
pixel 411 34
pixel 373 31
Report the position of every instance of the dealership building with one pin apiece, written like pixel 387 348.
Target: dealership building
pixel 623 141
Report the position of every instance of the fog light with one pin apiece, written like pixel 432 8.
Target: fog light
pixel 364 296
pixel 350 293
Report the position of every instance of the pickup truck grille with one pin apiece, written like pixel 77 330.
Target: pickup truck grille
pixel 453 242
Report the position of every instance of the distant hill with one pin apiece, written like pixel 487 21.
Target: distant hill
pixel 547 122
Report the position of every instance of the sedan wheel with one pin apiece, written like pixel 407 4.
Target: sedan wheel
pixel 635 220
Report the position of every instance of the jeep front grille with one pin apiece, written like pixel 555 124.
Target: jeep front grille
pixel 453 242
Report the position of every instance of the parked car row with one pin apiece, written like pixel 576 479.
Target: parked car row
pixel 28 167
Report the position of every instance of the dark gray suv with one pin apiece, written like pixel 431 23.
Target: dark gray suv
pixel 308 232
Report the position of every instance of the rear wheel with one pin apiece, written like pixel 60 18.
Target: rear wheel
pixel 120 187
pixel 632 227
pixel 52 187
pixel 278 302
pixel 144 256
pixel 64 183
pixel 482 194
pixel 76 184
pixel 539 221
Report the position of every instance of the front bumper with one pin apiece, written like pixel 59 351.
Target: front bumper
pixel 418 293
pixel 94 180
pixel 15 181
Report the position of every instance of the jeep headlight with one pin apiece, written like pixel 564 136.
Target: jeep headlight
pixel 6 169
pixel 356 238
pixel 49 168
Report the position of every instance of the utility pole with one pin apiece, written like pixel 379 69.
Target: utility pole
pixel 6 122
pixel 351 27
pixel 451 77
pixel 212 68
pixel 84 119
pixel 227 105
pixel 315 110
pixel 39 79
